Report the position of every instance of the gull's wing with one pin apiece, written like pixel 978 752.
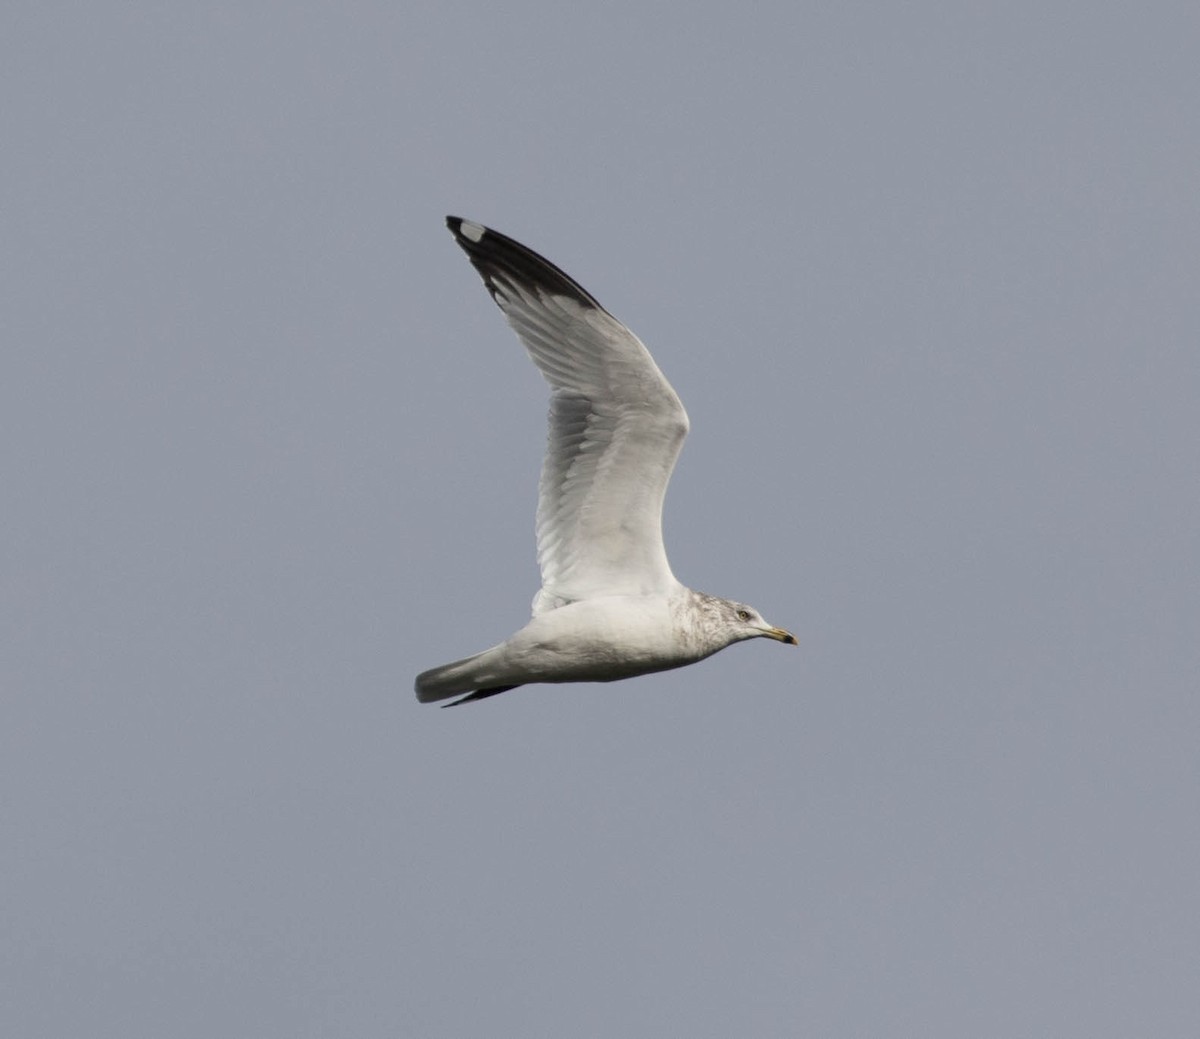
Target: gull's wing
pixel 616 428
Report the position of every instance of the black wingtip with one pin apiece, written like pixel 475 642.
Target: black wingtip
pixel 480 694
pixel 468 233
pixel 494 254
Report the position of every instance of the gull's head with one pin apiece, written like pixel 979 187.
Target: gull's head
pixel 745 622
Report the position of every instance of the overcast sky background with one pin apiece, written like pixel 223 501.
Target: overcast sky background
pixel 925 276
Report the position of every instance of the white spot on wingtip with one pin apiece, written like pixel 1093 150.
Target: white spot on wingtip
pixel 472 232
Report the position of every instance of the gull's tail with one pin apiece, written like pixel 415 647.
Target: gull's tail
pixel 478 675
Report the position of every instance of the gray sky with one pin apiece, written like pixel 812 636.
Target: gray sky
pixel 926 279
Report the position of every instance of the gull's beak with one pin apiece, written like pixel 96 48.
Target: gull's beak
pixel 780 635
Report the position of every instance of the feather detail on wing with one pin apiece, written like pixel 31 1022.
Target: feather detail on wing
pixel 616 428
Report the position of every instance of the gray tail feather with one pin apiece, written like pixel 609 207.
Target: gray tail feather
pixel 469 675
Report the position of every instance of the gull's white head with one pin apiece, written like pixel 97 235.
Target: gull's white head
pixel 745 622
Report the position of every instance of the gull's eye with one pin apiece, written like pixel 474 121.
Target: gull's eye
pixel 743 615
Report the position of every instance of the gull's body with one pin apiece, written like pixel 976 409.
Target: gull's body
pixel 609 606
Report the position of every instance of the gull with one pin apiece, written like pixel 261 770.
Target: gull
pixel 609 606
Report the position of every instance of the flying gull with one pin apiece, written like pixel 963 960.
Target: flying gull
pixel 609 606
